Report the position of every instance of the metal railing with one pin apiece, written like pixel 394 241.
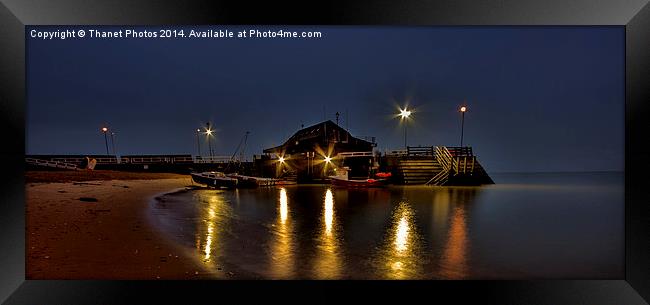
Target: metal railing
pixel 355 154
pixel 50 163
pixel 100 160
pixel 213 159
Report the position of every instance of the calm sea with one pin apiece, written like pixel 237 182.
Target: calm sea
pixel 532 226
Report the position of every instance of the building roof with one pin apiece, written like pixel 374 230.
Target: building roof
pixel 323 134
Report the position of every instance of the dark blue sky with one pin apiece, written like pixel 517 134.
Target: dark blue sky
pixel 539 98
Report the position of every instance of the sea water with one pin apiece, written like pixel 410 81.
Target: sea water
pixel 527 226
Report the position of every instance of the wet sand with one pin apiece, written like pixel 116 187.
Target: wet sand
pixel 98 229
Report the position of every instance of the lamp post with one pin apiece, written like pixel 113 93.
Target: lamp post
pixel 405 114
pixel 198 141
pixel 104 130
pixel 113 143
pixel 462 110
pixel 208 133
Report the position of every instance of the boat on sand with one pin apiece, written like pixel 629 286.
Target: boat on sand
pixel 214 179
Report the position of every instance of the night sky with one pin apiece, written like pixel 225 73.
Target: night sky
pixel 539 98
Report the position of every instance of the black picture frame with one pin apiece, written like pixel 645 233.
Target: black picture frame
pixel 633 15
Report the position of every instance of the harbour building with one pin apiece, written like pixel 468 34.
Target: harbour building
pixel 313 153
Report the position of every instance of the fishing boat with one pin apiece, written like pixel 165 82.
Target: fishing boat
pixel 341 179
pixel 251 182
pixel 214 179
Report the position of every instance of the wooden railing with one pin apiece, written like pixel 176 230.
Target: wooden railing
pixel 444 157
pixel 464 165
pixel 446 161
pixel 420 151
pixel 454 161
pixel 458 151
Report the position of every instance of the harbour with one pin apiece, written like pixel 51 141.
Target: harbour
pixel 312 155
pixel 362 153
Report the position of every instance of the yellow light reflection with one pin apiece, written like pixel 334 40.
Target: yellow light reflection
pixel 400 257
pixel 329 211
pixel 328 260
pixel 212 205
pixel 208 241
pixel 283 206
pixel 282 262
pixel 401 235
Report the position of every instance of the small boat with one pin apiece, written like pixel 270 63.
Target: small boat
pixel 250 181
pixel 383 175
pixel 214 179
pixel 286 182
pixel 341 179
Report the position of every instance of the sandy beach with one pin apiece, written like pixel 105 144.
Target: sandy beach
pixel 93 225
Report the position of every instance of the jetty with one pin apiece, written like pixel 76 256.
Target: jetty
pixel 436 165
pixel 310 155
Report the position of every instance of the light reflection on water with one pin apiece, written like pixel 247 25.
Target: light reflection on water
pixel 282 261
pixel 316 232
pixel 401 254
pixel 327 260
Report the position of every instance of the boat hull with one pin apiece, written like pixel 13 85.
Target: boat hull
pixel 357 183
pixel 252 182
pixel 216 182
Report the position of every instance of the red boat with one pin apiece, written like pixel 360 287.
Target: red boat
pixel 341 181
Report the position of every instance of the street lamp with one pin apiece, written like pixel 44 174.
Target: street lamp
pixel 404 115
pixel 113 143
pixel 104 130
pixel 208 133
pixel 198 141
pixel 462 110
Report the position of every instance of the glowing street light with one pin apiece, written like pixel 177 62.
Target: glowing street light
pixel 105 130
pixel 281 159
pixel 462 110
pixel 328 159
pixel 404 115
pixel 198 141
pixel 208 133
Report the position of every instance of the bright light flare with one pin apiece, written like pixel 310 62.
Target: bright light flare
pixel 463 108
pixel 209 132
pixel 104 129
pixel 328 159
pixel 281 159
pixel 404 113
